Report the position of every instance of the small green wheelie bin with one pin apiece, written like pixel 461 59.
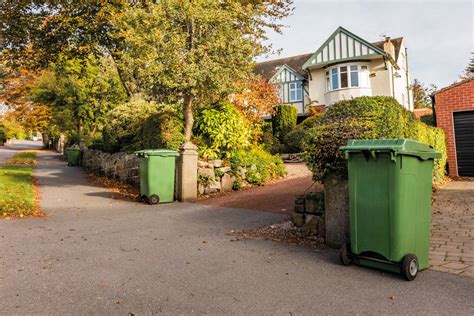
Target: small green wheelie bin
pixel 157 175
pixel 390 184
pixel 73 156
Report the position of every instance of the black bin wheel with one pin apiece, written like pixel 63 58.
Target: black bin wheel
pixel 410 267
pixel 154 199
pixel 69 164
pixel 345 254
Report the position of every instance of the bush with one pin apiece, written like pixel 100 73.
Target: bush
pixel 261 166
pixel 284 120
pixel 220 130
pixel 140 124
pixel 428 119
pixel 311 121
pixel 364 118
pixel 294 140
pixel 269 142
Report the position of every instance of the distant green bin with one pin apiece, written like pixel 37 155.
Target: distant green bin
pixel 73 156
pixel 157 175
pixel 390 184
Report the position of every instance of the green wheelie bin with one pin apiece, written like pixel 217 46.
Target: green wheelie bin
pixel 157 175
pixel 390 184
pixel 73 156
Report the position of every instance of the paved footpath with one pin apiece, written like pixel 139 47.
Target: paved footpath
pixel 95 255
pixel 452 229
pixel 9 151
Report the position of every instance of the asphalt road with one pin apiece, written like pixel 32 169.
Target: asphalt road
pixel 9 151
pixel 95 255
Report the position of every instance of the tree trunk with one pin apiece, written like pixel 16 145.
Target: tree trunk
pixel 45 136
pixel 188 117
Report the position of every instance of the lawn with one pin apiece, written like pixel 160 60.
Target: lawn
pixel 17 189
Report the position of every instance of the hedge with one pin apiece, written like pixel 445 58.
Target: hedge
pixel 284 120
pixel 364 118
pixel 140 124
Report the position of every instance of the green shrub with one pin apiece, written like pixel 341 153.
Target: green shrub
pixel 294 140
pixel 311 121
pixel 140 124
pixel 428 119
pixel 364 118
pixel 283 120
pixel 261 166
pixel 221 129
pixel 269 142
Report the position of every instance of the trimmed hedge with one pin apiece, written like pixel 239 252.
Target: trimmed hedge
pixel 365 118
pixel 283 120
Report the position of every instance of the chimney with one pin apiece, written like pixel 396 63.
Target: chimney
pixel 389 48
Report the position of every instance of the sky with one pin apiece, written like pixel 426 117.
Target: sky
pixel 438 34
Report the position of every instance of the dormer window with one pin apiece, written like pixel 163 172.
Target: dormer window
pixel 347 76
pixel 296 91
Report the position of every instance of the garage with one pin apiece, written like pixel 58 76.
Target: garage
pixel 464 140
pixel 453 107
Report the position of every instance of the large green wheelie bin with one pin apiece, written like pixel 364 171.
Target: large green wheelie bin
pixel 157 175
pixel 73 156
pixel 390 184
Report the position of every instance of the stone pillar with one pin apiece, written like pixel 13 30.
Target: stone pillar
pixel 186 172
pixel 336 201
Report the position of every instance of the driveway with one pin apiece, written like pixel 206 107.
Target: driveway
pixel 9 151
pixel 452 228
pixel 95 255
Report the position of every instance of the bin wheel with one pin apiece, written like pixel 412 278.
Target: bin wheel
pixel 154 199
pixel 410 267
pixel 345 254
pixel 69 164
pixel 142 198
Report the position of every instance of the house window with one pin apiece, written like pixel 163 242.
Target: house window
pixel 335 78
pixel 296 91
pixel 354 76
pixel 344 82
pixel 347 76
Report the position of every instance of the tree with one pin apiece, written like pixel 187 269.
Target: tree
pixel 421 94
pixel 195 50
pixel 255 98
pixel 36 33
pixel 17 85
pixel 469 70
pixel 81 92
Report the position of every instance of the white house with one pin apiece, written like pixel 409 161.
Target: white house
pixel 344 67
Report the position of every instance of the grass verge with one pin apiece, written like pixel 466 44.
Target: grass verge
pixel 19 194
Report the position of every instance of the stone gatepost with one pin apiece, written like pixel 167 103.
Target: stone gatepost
pixel 336 201
pixel 186 172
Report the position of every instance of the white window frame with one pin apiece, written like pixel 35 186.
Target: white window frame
pixel 329 74
pixel 295 90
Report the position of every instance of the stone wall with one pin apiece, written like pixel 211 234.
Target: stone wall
pixel 120 166
pixel 308 214
pixel 214 177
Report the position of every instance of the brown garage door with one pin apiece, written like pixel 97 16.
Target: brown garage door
pixel 464 136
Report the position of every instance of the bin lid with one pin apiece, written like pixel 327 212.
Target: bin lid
pixel 73 149
pixel 157 152
pixel 399 146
